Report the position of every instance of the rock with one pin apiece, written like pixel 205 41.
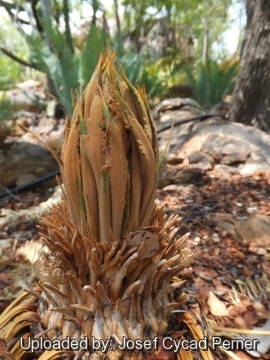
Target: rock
pixel 41 171
pixel 251 166
pixel 172 187
pixel 222 108
pixel 165 176
pixel 175 175
pixel 185 140
pixel 255 155
pixel 198 156
pixel 203 165
pixel 25 96
pixel 171 116
pixel 23 159
pixel 202 160
pixel 176 103
pixel 174 159
pixel 225 149
pixel 215 237
pixel 226 170
pixel 235 153
pixel 163 181
pixel 224 221
pixel 24 179
pixel 186 175
pixel 254 229
pixel 14 218
pixel 209 144
pixel 45 125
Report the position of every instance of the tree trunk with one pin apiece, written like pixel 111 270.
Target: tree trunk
pixel 251 96
pixel 116 6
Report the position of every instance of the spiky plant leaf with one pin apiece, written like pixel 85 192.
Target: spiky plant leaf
pixel 61 66
pixel 211 83
pixel 94 44
pixel 53 37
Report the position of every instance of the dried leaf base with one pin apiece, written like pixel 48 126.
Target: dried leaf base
pixel 105 290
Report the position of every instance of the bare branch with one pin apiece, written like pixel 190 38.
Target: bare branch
pixel 11 15
pixel 19 60
pixel 35 14
pixel 10 6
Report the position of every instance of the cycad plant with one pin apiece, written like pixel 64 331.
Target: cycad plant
pixel 65 68
pixel 110 273
pixel 213 82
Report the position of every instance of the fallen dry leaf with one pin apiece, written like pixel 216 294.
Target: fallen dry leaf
pixel 217 307
pixel 250 318
pixel 4 353
pixel 147 241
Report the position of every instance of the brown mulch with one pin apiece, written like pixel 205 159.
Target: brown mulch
pixel 221 262
pixel 13 266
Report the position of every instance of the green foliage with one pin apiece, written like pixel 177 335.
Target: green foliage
pixel 211 82
pixel 50 46
pixel 68 70
pixel 190 31
pixel 136 69
pixel 139 68
pixel 6 108
pixel 11 72
pixel 94 44
pixel 194 19
pixel 153 81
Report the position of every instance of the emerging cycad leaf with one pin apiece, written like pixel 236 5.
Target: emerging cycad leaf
pixel 110 156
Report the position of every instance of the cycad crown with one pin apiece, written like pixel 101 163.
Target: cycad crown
pixel 112 252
